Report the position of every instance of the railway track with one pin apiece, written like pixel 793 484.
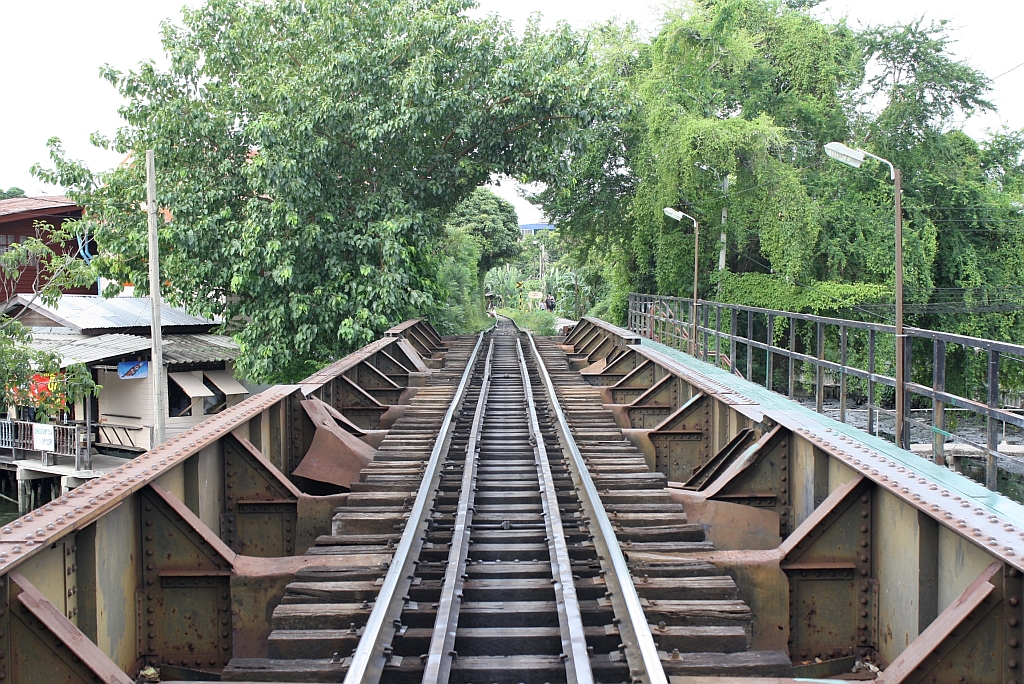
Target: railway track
pixel 507 495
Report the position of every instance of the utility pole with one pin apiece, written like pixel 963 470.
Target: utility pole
pixel 541 272
pixel 902 425
pixel 156 374
pixel 721 237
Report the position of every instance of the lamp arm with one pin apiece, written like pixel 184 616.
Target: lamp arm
pixel 691 218
pixel 892 169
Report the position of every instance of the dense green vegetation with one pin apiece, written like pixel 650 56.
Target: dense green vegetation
pixel 320 162
pixel 480 233
pixel 309 151
pixel 725 111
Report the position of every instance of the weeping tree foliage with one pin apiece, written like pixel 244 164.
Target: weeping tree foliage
pixel 749 91
pixel 308 152
pixel 736 90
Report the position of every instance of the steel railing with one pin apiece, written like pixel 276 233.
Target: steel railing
pixel 841 348
pixel 20 435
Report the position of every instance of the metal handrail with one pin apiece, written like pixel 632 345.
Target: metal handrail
pixel 643 657
pixel 370 656
pixel 666 319
pixel 17 434
pixel 951 338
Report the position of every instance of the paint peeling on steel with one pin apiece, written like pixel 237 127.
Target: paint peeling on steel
pixel 989 520
pixel 28 535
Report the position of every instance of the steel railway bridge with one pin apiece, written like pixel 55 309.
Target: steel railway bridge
pixel 507 508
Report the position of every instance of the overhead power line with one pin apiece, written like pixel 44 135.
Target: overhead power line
pixel 1008 71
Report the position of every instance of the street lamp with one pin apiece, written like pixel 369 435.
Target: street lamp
pixel 679 216
pixel 853 157
pixel 537 242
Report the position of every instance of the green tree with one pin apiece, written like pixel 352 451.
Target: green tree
pixel 749 91
pixel 493 222
pixel 457 256
pixel 11 192
pixel 55 267
pixel 308 152
pixel 735 92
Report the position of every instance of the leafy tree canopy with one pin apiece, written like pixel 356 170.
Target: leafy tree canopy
pixel 11 192
pixel 55 268
pixel 724 114
pixel 308 152
pixel 493 222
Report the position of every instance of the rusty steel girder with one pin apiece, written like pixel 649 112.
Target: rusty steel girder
pixel 610 370
pixel 832 589
pixel 184 603
pixel 419 334
pixel 38 643
pixel 977 635
pixel 157 585
pixel 682 441
pixel 880 542
pixel 755 473
pixel 592 340
pixel 260 506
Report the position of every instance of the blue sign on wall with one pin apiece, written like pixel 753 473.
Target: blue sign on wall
pixel 133 370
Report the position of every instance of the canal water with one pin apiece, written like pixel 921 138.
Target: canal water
pixel 8 511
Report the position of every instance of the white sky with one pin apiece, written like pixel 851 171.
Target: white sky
pixel 52 51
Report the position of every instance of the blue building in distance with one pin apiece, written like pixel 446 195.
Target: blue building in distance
pixel 533 228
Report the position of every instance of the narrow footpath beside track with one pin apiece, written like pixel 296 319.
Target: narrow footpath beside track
pixel 505 512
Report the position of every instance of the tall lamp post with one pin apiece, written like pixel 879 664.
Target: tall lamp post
pixel 679 216
pixel 854 157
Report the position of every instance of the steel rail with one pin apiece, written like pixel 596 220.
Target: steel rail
pixel 442 641
pixel 570 618
pixel 373 651
pixel 643 658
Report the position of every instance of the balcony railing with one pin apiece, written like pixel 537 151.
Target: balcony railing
pixel 48 440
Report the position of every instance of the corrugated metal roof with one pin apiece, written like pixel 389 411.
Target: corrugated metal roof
pixel 82 349
pixel 199 348
pixel 76 348
pixel 53 340
pixel 22 205
pixel 92 312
